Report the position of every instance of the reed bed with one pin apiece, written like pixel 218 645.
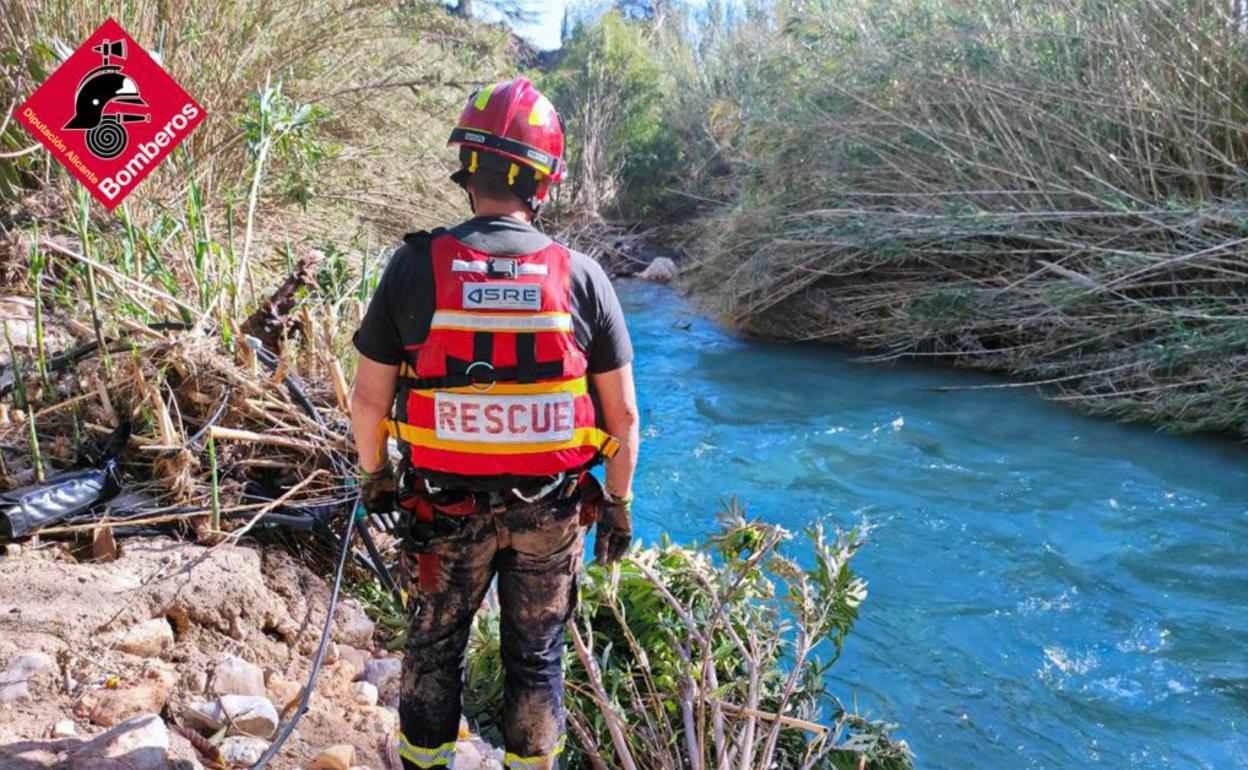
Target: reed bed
pixel 1054 190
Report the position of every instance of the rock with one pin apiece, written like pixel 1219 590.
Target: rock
pixel 331 653
pixel 243 750
pixel 379 671
pixel 250 715
pixel 12 549
pixel 195 681
pixel 15 681
pixel 386 674
pixel 377 720
pixel 204 716
pixel 353 660
pixel 283 690
pixel 352 626
pixel 661 270
pixel 467 757
pixel 108 707
pixel 182 754
pixel 364 693
pixel 339 757
pixel 234 676
pixel 64 729
pixel 141 743
pixel 149 639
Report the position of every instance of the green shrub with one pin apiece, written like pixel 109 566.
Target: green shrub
pixel 689 652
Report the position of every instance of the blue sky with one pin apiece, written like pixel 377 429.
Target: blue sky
pixel 544 32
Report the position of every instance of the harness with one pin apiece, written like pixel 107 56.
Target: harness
pixel 499 387
pixel 496 398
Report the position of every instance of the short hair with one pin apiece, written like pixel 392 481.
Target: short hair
pixel 490 183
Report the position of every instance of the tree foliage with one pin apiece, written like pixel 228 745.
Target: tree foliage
pixel 610 87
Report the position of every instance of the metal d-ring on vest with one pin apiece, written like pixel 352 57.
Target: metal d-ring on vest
pixel 475 382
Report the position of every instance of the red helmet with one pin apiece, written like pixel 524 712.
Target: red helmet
pixel 513 119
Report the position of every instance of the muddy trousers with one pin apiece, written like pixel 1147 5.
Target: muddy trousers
pixel 536 552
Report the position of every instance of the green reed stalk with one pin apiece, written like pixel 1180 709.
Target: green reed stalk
pixel 214 519
pixel 37 260
pixel 23 403
pixel 84 236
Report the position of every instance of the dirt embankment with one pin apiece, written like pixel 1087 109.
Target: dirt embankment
pixel 119 664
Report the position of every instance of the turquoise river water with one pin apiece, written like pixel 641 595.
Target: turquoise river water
pixel 1047 590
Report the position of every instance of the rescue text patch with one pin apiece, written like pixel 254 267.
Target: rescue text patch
pixel 502 296
pixel 504 419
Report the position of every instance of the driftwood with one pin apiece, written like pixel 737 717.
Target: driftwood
pixel 274 320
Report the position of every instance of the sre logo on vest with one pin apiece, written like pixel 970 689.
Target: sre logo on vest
pixel 110 114
pixel 502 296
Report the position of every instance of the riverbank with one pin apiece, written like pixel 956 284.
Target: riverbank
pixel 1053 191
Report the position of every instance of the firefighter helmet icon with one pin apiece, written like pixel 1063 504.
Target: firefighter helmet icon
pixel 106 87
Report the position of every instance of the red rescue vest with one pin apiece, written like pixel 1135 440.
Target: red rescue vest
pixel 499 386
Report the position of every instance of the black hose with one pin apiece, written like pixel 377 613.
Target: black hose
pixel 282 737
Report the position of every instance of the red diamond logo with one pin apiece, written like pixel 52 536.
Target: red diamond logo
pixel 110 114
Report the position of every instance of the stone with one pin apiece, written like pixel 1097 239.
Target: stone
pixel 250 715
pixel 140 743
pixel 111 706
pixel 243 750
pixel 364 693
pixel 204 716
pixel 387 675
pixel 149 639
pixel 15 681
pixel 234 676
pixel 338 757
pixel 195 681
pixel 182 754
pixel 64 729
pixel 331 653
pixel 352 660
pixel 379 671
pixel 352 625
pixel 467 757
pixel 661 270
pixel 283 690
pixel 377 720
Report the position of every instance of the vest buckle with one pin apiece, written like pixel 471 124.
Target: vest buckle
pixel 476 383
pixel 500 268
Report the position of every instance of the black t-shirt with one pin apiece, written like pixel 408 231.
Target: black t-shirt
pixel 402 307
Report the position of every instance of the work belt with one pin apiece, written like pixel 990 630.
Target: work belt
pixel 438 513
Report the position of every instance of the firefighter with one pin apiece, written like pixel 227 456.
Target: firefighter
pixel 499 360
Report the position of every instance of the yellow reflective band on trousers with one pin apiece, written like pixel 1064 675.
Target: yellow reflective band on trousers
pixel 422 757
pixel 539 762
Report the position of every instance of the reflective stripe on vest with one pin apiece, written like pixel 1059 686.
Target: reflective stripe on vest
pixel 499 386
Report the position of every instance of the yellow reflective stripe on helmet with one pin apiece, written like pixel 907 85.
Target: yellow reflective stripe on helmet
pixel 466 320
pixel 472 163
pixel 483 96
pixel 539 115
pixel 516 762
pixel 422 757
pixel 511 174
pixel 426 437
pixel 577 387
